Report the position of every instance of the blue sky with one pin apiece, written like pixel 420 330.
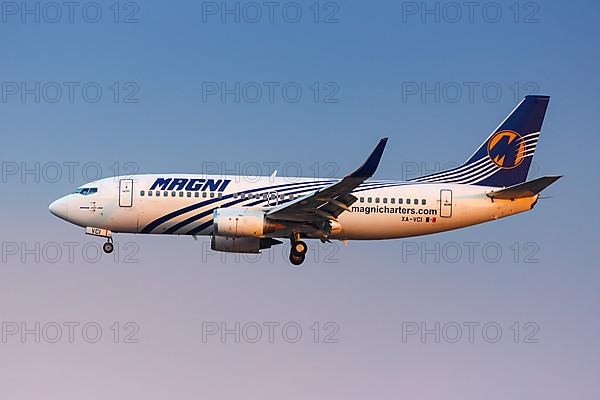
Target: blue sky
pixel 153 113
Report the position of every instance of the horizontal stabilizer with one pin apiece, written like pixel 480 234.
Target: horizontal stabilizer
pixel 523 190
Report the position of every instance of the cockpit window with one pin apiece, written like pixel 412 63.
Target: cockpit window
pixel 86 191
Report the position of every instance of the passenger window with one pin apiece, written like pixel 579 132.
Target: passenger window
pixel 416 202
pixel 281 197
pixel 392 200
pixel 141 192
pixel 173 194
pixel 166 194
pixel 423 202
pixel 196 194
pixel 212 195
pixel 150 193
pixel 407 201
pixel 235 195
pixel 362 199
pixel 385 200
pixel 369 199
pixel 264 196
pixel 189 194
pixel 204 194
pixel 220 194
pixel 400 201
pixel 376 199
pixel 157 193
pixel 180 194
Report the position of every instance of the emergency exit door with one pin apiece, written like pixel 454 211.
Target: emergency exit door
pixel 126 192
pixel 446 203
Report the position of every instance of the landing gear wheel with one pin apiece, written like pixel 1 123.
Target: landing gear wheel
pixel 296 259
pixel 299 247
pixel 108 247
pixel 298 250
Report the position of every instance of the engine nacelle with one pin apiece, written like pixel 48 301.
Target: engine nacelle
pixel 232 222
pixel 241 244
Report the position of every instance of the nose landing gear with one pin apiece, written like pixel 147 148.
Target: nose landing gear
pixel 298 250
pixel 108 247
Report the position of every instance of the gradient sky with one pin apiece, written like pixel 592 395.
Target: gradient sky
pixel 547 272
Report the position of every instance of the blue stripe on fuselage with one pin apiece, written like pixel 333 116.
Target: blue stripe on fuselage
pixel 154 224
pixel 196 217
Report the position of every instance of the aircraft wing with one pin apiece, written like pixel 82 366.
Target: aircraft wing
pixel 328 203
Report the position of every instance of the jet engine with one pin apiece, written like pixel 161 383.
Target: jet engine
pixel 240 222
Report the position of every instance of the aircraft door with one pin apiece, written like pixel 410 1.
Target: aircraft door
pixel 126 192
pixel 445 203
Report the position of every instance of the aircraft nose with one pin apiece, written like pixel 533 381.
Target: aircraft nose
pixel 59 208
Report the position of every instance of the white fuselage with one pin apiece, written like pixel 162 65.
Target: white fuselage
pixel 183 204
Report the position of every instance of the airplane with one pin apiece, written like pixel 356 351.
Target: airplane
pixel 244 214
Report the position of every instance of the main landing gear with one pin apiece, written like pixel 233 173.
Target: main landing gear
pixel 298 250
pixel 108 247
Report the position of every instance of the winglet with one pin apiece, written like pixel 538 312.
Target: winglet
pixel 368 168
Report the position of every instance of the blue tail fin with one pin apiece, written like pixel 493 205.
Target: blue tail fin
pixel 504 158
